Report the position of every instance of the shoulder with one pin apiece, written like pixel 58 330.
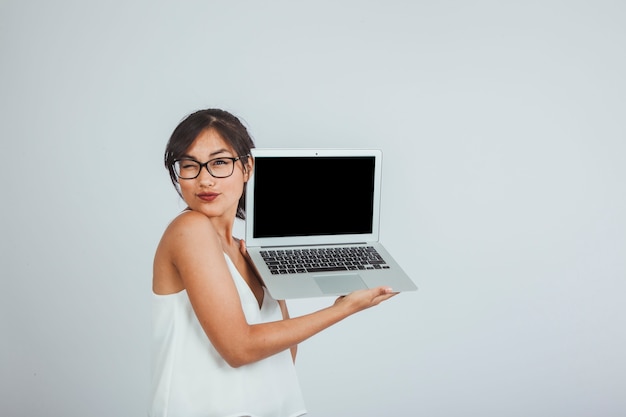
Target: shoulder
pixel 189 218
pixel 189 223
pixel 189 231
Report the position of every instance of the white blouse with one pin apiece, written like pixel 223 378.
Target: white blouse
pixel 189 377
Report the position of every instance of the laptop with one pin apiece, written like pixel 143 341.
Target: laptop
pixel 312 223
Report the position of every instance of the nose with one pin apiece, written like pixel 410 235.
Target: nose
pixel 205 176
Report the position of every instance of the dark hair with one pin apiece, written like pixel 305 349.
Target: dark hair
pixel 229 128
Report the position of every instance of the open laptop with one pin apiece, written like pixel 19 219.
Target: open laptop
pixel 312 223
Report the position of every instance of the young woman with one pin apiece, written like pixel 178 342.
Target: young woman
pixel 221 345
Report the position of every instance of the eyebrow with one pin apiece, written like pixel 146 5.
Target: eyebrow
pixel 212 154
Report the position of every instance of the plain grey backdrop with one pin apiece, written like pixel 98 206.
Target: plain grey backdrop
pixel 502 125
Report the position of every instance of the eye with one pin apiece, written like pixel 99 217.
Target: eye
pixel 220 162
pixel 188 164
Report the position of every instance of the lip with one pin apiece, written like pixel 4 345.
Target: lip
pixel 208 197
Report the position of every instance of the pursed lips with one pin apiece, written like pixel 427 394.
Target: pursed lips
pixel 207 196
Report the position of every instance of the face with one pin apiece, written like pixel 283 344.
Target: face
pixel 215 197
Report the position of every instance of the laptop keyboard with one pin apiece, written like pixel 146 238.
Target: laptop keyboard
pixel 299 261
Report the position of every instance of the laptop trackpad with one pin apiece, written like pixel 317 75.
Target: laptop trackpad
pixel 339 284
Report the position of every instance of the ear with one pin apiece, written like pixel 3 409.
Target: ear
pixel 248 169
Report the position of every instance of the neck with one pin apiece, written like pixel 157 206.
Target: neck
pixel 224 229
pixel 223 225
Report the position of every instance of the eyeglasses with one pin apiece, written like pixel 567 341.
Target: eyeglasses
pixel 188 169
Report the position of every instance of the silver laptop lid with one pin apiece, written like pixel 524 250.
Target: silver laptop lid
pixel 313 196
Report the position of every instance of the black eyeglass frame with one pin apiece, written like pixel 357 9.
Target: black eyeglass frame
pixel 206 165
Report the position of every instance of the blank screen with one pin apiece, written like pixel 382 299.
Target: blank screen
pixel 307 196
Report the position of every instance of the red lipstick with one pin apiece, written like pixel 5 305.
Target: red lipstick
pixel 208 197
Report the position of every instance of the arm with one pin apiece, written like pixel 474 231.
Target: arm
pixel 281 303
pixel 285 311
pixel 196 253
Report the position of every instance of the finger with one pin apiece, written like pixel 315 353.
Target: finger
pixel 242 246
pixel 383 290
pixel 383 294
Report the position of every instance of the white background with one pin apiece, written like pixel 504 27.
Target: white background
pixel 503 131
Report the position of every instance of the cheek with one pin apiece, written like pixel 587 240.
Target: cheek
pixel 238 189
pixel 185 189
pixel 237 182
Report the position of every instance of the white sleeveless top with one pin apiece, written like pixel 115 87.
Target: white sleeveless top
pixel 189 377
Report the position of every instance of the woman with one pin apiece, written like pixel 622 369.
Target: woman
pixel 222 345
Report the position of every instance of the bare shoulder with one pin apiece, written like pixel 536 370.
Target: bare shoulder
pixel 191 232
pixel 188 236
pixel 188 222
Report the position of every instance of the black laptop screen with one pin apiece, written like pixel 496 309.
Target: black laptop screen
pixel 307 196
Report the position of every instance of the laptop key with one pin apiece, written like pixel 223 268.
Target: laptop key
pixel 326 269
